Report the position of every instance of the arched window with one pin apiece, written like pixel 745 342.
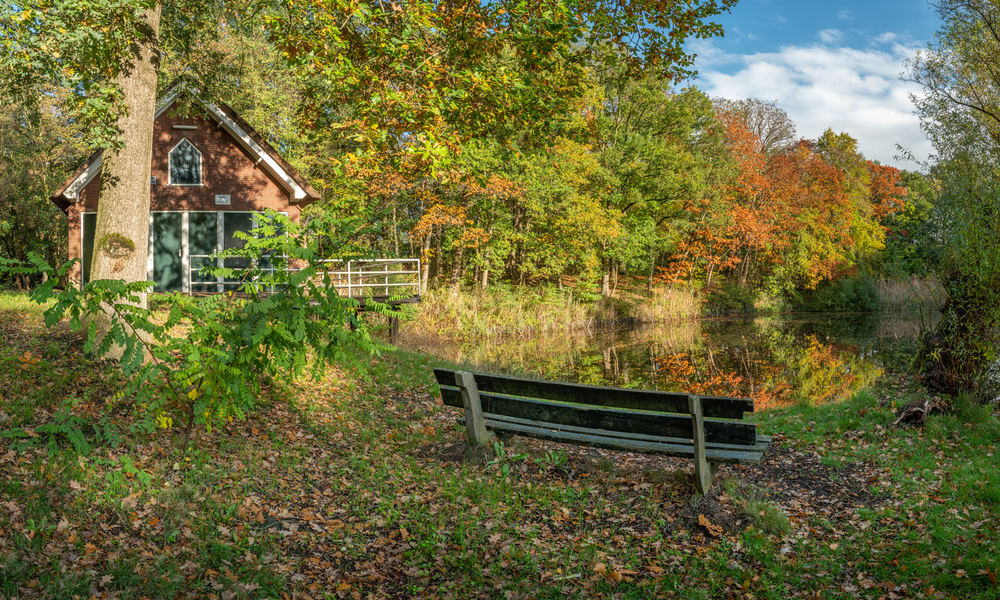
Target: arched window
pixel 185 164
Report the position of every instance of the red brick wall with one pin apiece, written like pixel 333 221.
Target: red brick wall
pixel 225 169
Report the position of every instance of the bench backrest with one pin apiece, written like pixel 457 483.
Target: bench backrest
pixel 664 414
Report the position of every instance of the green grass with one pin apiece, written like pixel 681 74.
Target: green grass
pixel 355 485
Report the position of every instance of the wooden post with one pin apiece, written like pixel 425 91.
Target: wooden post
pixel 475 427
pixel 704 472
pixel 394 328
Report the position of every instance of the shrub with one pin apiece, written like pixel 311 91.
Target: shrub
pixel 284 322
pixel 730 299
pixel 847 294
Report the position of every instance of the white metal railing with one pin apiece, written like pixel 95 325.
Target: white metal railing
pixel 382 274
pixel 221 284
pixel 378 274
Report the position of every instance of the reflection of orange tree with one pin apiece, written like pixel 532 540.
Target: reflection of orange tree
pixel 800 372
pixel 825 374
pixel 701 374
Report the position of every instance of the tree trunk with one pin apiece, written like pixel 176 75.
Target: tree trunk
pixel 486 276
pixel 436 271
pixel 122 231
pixel 456 265
pixel 425 250
pixel 652 271
pixel 606 284
pixel 614 276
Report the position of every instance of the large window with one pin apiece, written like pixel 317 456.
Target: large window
pixel 185 164
pixel 181 243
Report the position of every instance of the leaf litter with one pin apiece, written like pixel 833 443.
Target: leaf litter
pixel 341 490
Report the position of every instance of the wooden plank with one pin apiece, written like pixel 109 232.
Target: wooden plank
pixel 703 474
pixel 598 440
pixel 763 441
pixel 475 427
pixel 596 395
pixel 609 419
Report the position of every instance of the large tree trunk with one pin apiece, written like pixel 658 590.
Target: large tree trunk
pixel 122 230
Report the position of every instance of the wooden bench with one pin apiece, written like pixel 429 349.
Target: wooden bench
pixel 699 427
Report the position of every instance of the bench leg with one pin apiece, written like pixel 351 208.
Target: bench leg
pixel 475 426
pixel 704 471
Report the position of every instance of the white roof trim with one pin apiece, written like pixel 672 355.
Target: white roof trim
pixel 253 148
pixel 73 190
pixel 258 152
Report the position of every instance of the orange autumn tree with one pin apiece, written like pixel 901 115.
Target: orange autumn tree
pixel 816 216
pixel 446 227
pixel 755 226
pixel 784 219
pixel 886 194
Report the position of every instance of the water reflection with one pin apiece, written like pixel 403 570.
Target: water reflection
pixel 776 361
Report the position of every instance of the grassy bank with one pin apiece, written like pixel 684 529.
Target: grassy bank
pixel 453 312
pixel 504 310
pixel 354 488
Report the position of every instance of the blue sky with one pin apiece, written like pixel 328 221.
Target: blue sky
pixel 827 64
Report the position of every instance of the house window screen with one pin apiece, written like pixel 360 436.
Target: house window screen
pixel 231 223
pixel 185 164
pixel 202 242
pixel 89 225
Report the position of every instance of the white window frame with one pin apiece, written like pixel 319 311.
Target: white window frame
pixel 201 165
pixel 186 268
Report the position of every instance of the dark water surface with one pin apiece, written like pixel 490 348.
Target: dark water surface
pixel 777 361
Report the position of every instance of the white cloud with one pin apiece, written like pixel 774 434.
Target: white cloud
pixel 845 15
pixel 886 38
pixel 845 89
pixel 831 36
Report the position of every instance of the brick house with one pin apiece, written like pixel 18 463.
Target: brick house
pixel 211 175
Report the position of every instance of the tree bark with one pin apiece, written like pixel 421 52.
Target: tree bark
pixel 123 207
pixel 425 251
pixel 457 265
pixel 395 231
pixel 437 266
pixel 122 230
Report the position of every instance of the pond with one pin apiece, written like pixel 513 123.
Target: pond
pixel 777 361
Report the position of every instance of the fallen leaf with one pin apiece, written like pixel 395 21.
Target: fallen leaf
pixel 713 530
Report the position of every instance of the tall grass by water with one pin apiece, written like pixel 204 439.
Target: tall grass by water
pixel 504 310
pixel 910 295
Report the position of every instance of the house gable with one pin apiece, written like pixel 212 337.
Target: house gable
pixel 229 173
pixel 256 149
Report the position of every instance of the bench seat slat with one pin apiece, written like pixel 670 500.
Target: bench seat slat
pixel 763 441
pixel 596 395
pixel 609 419
pixel 596 439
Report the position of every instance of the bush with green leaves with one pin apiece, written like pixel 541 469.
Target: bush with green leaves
pixel 210 358
pixel 847 294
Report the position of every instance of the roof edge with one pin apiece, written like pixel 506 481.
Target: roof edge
pixel 299 190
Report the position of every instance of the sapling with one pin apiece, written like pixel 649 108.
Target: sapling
pixel 283 320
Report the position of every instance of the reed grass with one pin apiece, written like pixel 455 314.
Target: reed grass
pixel 907 295
pixel 504 310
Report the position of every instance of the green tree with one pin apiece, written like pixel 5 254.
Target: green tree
pixel 39 148
pixel 661 147
pixel 913 235
pixel 427 76
pixel 960 112
pixel 105 56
